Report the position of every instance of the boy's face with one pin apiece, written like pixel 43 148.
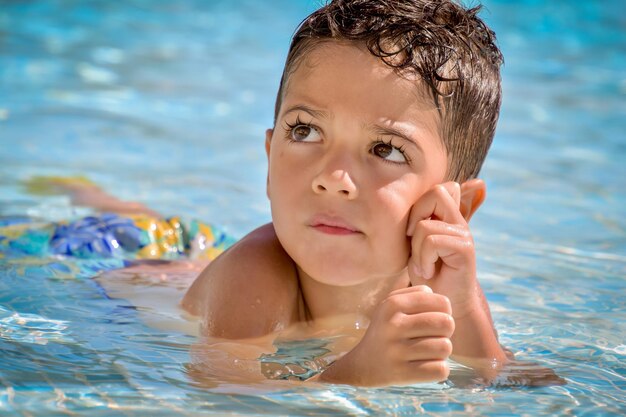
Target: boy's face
pixel 354 147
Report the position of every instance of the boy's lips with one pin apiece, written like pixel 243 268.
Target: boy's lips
pixel 333 225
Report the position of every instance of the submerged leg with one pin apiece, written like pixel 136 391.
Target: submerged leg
pixel 83 192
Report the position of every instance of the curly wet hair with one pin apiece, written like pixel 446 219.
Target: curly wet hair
pixel 448 46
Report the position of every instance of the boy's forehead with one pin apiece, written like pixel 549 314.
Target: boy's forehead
pixel 336 73
pixel 337 53
pixel 327 61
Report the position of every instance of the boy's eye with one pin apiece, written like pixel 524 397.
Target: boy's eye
pixel 389 152
pixel 304 133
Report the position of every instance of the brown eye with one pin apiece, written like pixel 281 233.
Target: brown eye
pixel 390 153
pixel 304 133
pixel 382 150
pixel 301 132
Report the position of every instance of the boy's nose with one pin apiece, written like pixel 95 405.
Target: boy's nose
pixel 335 181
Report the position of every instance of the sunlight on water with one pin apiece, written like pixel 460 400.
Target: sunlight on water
pixel 31 328
pixel 167 104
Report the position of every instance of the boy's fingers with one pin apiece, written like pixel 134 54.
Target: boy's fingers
pixel 415 288
pixel 442 202
pixel 454 252
pixel 425 228
pixel 416 301
pixel 422 288
pixel 425 348
pixel 449 249
pixel 429 370
pixel 429 324
pixel 428 230
pixel 454 189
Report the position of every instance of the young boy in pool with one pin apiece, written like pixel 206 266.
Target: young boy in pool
pixel 384 115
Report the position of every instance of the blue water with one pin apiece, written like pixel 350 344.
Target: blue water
pixel 167 102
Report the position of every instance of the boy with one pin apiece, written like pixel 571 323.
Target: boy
pixel 384 108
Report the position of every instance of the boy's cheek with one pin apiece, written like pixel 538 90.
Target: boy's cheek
pixel 400 256
pixel 399 245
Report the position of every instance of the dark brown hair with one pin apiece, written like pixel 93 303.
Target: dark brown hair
pixel 448 46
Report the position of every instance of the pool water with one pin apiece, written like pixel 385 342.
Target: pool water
pixel 167 102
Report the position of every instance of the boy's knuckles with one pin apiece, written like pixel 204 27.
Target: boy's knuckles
pixel 391 305
pixel 452 187
pixel 422 288
pixel 442 324
pixel 430 348
pixel 440 190
pixel 422 227
pixel 432 302
pixel 403 302
pixel 444 347
pixel 431 241
pixel 421 300
pixel 448 325
pixel 438 303
pixel 441 370
pixel 432 370
pixel 398 322
pixel 446 305
pixel 437 370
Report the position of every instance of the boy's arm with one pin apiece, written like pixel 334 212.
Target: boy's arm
pixel 443 258
pixel 249 291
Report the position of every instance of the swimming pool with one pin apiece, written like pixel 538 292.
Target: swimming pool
pixel 167 103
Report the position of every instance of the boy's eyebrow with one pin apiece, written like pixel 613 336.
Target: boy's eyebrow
pixel 320 114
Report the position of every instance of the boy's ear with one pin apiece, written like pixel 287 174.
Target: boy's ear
pixel 268 142
pixel 473 193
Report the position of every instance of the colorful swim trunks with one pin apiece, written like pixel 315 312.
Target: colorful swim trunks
pixel 110 235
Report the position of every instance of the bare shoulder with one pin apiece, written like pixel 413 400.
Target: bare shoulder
pixel 248 291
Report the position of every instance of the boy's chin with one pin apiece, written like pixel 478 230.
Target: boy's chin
pixel 342 275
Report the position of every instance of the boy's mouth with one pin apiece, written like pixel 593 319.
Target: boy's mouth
pixel 333 225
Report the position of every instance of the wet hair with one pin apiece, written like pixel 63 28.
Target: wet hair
pixel 448 46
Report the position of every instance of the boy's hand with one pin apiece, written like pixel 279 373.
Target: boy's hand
pixel 407 341
pixel 443 258
pixel 442 248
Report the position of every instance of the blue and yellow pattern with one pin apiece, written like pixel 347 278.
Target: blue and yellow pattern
pixel 110 235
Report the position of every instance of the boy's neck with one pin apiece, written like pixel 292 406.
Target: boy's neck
pixel 323 301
